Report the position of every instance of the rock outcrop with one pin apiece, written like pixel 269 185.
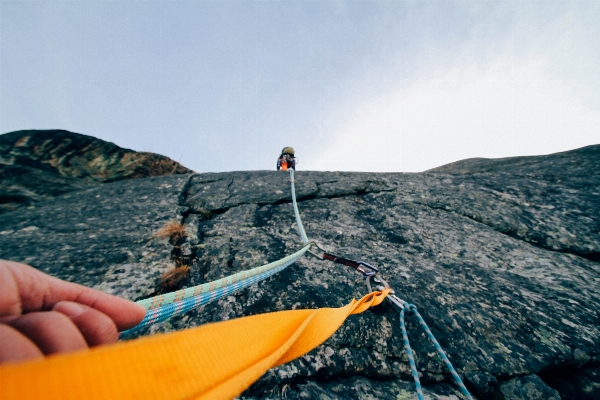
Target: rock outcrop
pixel 501 262
pixel 36 165
pixel 572 165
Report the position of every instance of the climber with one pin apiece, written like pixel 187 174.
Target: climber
pixel 286 159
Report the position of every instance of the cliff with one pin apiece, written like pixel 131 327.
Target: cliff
pixel 502 262
pixel 37 165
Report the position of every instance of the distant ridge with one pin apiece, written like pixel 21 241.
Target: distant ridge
pixel 578 163
pixel 36 165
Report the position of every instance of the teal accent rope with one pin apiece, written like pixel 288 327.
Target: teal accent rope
pixel 411 359
pixel 165 312
pixel 173 297
pixel 412 308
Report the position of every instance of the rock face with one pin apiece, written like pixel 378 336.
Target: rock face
pixel 36 165
pixel 574 165
pixel 528 387
pixel 501 263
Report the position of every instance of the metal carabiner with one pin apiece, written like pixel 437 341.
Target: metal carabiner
pixel 391 297
pixel 312 242
pixel 373 271
pixel 381 280
pixel 357 265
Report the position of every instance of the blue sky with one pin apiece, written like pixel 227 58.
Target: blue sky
pixel 352 85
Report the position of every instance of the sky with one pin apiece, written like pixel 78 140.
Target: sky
pixel 383 86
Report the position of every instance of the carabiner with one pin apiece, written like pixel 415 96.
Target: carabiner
pixel 392 298
pixel 357 265
pixel 373 271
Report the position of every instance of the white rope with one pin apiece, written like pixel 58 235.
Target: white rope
pixel 298 220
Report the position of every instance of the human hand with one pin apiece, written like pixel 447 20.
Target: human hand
pixel 42 315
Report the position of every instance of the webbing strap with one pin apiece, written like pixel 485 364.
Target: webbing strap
pixel 214 361
pixel 340 260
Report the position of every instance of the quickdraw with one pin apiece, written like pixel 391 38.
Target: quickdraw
pixel 401 306
pixel 364 268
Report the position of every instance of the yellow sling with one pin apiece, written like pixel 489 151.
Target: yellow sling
pixel 214 361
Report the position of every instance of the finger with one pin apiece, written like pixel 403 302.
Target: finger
pixel 96 327
pixel 20 349
pixel 52 332
pixel 28 289
pixel 125 314
pixel 10 300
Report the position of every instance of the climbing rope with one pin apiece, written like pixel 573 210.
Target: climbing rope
pixel 165 306
pixel 173 297
pixel 412 308
pixel 402 305
pixel 411 359
pixel 296 213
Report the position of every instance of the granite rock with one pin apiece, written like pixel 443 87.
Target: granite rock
pixel 502 266
pixel 101 236
pixel 529 387
pixel 576 166
pixel 36 165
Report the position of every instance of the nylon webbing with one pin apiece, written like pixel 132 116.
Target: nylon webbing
pixel 213 361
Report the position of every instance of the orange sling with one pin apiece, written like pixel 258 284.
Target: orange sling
pixel 214 361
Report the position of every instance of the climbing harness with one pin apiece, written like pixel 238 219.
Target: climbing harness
pixel 286 160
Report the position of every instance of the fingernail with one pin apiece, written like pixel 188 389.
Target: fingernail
pixel 68 308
